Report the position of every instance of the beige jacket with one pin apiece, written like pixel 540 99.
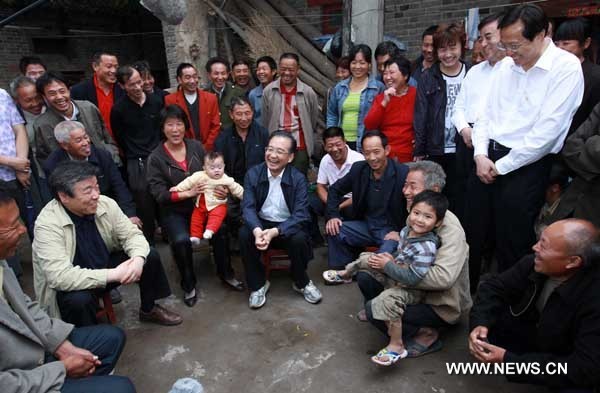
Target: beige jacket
pixel 447 281
pixel 211 201
pixel 54 250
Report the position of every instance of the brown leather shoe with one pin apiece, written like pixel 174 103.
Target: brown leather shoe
pixel 161 316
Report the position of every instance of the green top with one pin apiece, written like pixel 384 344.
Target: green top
pixel 350 110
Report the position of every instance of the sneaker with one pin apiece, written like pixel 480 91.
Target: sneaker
pixel 310 291
pixel 258 298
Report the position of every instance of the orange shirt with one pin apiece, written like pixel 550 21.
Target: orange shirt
pixel 105 104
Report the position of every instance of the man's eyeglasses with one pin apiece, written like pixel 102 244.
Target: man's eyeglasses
pixel 511 47
pixel 279 152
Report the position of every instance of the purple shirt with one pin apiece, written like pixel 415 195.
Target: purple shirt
pixel 9 116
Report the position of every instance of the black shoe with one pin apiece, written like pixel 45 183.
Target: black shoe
pixel 115 296
pixel 234 284
pixel 191 301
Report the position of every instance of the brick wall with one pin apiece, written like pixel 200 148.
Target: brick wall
pixel 13 44
pixel 407 19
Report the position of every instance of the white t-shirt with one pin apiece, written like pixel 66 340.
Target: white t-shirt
pixel 452 89
pixel 329 173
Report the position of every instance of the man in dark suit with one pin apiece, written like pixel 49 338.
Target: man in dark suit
pixel 42 354
pixel 102 89
pixel 378 203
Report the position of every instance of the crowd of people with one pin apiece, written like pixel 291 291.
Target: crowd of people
pixel 448 188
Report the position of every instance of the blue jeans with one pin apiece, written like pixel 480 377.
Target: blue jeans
pixel 106 342
pixel 353 237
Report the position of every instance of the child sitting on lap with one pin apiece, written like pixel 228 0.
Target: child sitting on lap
pixel 417 247
pixel 209 212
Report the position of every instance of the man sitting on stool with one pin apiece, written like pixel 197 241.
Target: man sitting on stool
pixel 85 245
pixel 275 211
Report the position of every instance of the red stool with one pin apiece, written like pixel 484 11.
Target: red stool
pixel 272 259
pixel 107 309
pixel 371 248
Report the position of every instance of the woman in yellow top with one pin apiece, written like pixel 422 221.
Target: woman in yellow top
pixel 351 99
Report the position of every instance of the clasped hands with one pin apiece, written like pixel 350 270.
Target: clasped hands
pixel 127 272
pixel 486 169
pixel 78 362
pixel 263 237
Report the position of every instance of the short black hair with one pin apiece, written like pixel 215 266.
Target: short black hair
pixel 375 133
pixel 360 48
pixel 28 60
pixel 142 66
pixel 68 173
pixel 239 101
pixel 290 55
pixel 216 60
pixel 533 17
pixel 333 132
pixel 269 60
pixel 237 62
pixel 403 64
pixel 124 73
pixel 344 62
pixel 429 31
pixel 287 135
pixel 489 19
pixel 47 78
pixel 183 66
pixel 436 200
pixel 387 48
pixel 173 111
pixel 559 175
pixel 213 155
pixel 97 57
pixel 6 196
pixel 579 29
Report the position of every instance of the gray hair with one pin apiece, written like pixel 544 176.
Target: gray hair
pixel 582 239
pixel 18 82
pixel 433 173
pixel 62 131
pixel 68 173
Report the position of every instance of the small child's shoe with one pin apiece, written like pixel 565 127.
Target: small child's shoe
pixel 208 234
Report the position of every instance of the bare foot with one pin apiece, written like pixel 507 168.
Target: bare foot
pixel 426 336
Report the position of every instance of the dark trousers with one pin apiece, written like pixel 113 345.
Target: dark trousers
pixel 144 202
pixel 504 211
pixel 79 307
pixel 318 209
pixel 177 226
pixel 415 316
pixel 354 236
pixel 106 342
pixel 464 167
pixel 448 163
pixel 297 246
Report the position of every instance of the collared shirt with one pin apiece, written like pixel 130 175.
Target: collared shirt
pixel 9 117
pixel 471 99
pixel 255 98
pixel 74 115
pixel 530 111
pixel 289 118
pixel 329 172
pixel 274 209
pixel 105 103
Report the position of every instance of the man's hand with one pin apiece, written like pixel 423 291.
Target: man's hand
pixel 118 274
pixel 467 135
pixel 259 239
pixel 136 221
pixel 393 235
pixel 486 170
pixel 332 228
pixel 270 234
pixel 78 366
pixel 221 192
pixel 68 349
pixel 24 178
pixel 135 269
pixel 378 261
pixel 18 164
pixel 483 350
pixel 387 95
pixel 347 202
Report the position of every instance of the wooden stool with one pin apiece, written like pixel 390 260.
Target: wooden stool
pixel 107 309
pixel 274 255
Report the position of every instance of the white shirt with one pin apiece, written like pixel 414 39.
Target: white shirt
pixel 471 99
pixel 530 111
pixel 191 98
pixel 75 113
pixel 453 84
pixel 274 209
pixel 329 172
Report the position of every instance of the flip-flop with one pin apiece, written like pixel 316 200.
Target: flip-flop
pixel 332 277
pixel 392 357
pixel 416 350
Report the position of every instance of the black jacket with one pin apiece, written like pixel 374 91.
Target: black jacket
pixel 85 90
pixel 110 180
pixel 430 112
pixel 357 181
pixel 164 173
pixel 567 331
pixel 227 143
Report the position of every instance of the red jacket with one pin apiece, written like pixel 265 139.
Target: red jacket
pixel 210 123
